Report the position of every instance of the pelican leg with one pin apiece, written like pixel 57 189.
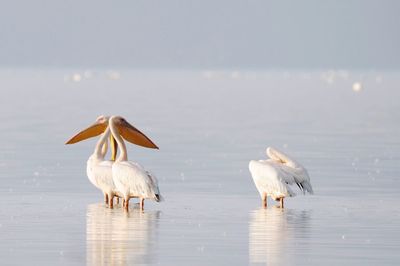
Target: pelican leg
pixel 281 202
pixel 117 200
pixel 111 202
pixel 106 198
pixel 126 204
pixel 264 200
pixel 141 201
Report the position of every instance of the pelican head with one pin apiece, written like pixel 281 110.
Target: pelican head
pixel 132 134
pixel 126 130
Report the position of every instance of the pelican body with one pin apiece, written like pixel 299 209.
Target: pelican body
pixel 273 176
pixel 130 178
pixel 99 170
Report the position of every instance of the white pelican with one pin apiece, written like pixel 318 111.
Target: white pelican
pixel 130 178
pixel 273 176
pixel 99 170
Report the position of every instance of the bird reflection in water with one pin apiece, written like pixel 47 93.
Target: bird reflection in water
pixel 273 231
pixel 114 237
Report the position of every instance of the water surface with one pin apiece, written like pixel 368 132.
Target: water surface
pixel 208 126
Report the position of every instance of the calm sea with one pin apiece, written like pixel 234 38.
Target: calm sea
pixel 344 127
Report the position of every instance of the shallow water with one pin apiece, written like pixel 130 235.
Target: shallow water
pixel 208 125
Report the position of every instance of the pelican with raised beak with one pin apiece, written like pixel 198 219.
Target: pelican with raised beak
pixel 130 178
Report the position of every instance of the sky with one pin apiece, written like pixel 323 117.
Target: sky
pixel 274 34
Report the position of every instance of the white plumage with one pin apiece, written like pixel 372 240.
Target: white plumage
pixel 99 171
pixel 130 178
pixel 273 176
pixel 133 180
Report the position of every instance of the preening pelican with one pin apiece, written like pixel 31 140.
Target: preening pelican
pixel 130 178
pixel 99 170
pixel 273 176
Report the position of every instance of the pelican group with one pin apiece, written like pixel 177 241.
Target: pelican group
pixel 138 183
pixel 125 179
pixel 273 176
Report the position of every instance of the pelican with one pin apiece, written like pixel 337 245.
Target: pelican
pixel 273 176
pixel 130 178
pixel 99 171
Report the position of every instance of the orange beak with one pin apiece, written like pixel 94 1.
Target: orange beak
pixel 90 132
pixel 127 131
pixel 133 135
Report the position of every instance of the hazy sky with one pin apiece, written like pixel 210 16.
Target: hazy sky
pixel 203 33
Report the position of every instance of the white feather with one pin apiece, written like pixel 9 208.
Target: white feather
pixel 291 167
pixel 270 179
pixel 275 175
pixel 100 175
pixel 130 178
pixel 99 171
pixel 134 181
